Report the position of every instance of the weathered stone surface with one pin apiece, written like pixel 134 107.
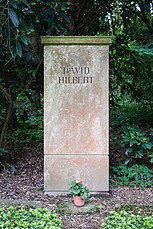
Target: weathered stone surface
pixel 67 207
pixel 79 40
pixel 22 203
pixel 76 114
pixel 61 169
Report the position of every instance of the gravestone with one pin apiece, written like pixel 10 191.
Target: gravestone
pixel 76 112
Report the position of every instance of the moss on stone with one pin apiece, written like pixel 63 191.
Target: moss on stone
pixel 76 40
pixel 68 207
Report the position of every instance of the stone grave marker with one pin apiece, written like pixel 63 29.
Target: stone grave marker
pixel 76 112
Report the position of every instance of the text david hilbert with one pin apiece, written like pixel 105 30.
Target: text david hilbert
pixel 76 75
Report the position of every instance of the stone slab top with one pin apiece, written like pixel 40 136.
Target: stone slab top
pixel 4 203
pixel 90 207
pixel 76 40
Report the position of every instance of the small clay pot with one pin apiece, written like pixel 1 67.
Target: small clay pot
pixel 78 201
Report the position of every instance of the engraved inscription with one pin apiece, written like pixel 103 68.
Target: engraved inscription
pixel 76 75
pixel 76 80
pixel 76 70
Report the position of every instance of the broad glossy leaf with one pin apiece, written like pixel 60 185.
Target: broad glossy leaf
pixel 127 161
pixel 3 150
pixel 24 39
pixel 25 2
pixel 14 18
pixel 28 56
pixel 28 39
pixel 13 3
pixel 65 17
pixel 148 145
pixel 18 48
pixel 76 192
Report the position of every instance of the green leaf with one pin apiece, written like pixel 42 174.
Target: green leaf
pixel 13 16
pixel 3 150
pixel 28 40
pixel 18 48
pixel 132 142
pixel 13 169
pixel 76 192
pixel 127 161
pixel 13 3
pixel 139 154
pixel 28 56
pixel 128 150
pixel 148 145
pixel 65 17
pixel 34 73
pixel 25 2
pixel 144 146
pixel 24 39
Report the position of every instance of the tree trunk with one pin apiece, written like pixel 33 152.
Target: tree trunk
pixel 8 97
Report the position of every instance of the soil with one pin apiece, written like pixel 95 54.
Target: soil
pixel 27 183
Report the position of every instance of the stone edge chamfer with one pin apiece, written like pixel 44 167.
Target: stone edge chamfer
pixel 67 194
pixel 75 40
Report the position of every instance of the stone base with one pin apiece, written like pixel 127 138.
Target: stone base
pixel 59 170
pixel 67 194
pixel 5 203
pixel 67 207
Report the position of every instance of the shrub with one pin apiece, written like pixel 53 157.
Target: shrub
pixel 124 220
pixel 130 176
pixel 129 112
pixel 30 131
pixel 151 156
pixel 136 143
pixel 29 218
pixel 144 210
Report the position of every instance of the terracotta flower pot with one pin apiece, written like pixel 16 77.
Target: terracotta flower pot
pixel 78 201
